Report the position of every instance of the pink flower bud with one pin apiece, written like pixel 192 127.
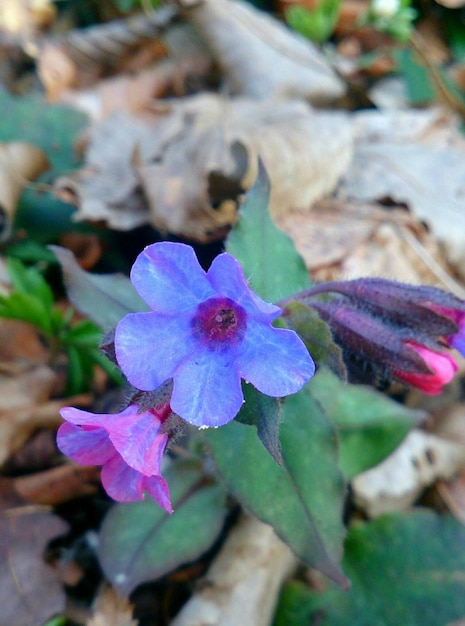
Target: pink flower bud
pixel 442 366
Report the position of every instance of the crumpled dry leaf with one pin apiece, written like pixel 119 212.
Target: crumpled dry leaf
pixel 19 163
pixel 259 55
pixel 343 240
pixel 413 157
pixel 187 59
pixel 24 18
pixel 110 609
pixel 32 412
pixel 184 173
pixel 82 56
pixel 30 591
pixel 248 572
pixel 395 484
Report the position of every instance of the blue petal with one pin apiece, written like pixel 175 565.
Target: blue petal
pixel 207 389
pixel 149 347
pixel 86 446
pixel 169 278
pixel 274 360
pixel 227 277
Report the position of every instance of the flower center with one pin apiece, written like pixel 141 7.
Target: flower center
pixel 219 321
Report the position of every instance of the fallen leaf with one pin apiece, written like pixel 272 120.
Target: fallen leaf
pixel 80 57
pixel 111 609
pixel 185 172
pixel 395 484
pixel 30 591
pixel 248 571
pixel 19 163
pixel 186 59
pixel 416 158
pixel 25 18
pixel 260 57
pixel 341 239
pixel 57 485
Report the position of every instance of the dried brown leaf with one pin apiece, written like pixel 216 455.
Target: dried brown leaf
pixel 416 158
pixel 193 163
pixel 25 18
pixel 58 485
pixel 110 609
pixel 19 163
pixel 248 572
pixel 17 425
pixel 394 485
pixel 80 57
pixel 259 56
pixel 341 239
pixel 30 591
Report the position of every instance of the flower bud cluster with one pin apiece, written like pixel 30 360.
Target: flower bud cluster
pixel 392 331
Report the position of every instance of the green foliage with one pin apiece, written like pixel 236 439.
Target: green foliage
pixel 392 17
pixel 316 25
pixel 268 256
pixel 55 129
pixel 104 298
pixel 316 335
pixel 265 414
pixel 140 541
pixel 303 498
pixel 402 571
pixel 418 82
pixel 128 5
pixel 32 301
pixel 369 424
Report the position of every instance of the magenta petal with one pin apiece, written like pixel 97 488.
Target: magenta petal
pixel 169 278
pixel 149 347
pixel 207 389
pixel 158 490
pixel 227 277
pixel 86 446
pixel 138 441
pixel 274 360
pixel 121 482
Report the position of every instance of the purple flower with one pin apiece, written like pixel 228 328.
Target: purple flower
pixel 129 445
pixel 206 331
pixel 456 340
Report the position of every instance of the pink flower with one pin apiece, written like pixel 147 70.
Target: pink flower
pixel 441 364
pixel 129 445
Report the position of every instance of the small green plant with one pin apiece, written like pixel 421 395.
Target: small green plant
pixel 32 301
pixel 316 25
pixel 392 17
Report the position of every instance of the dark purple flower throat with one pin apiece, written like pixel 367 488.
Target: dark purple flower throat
pixel 219 321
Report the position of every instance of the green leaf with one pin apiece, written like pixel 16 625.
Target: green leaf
pixel 268 256
pixel 404 570
pixel 140 542
pixel 303 498
pixel 84 334
pixel 369 424
pixel 30 281
pixel 263 412
pixel 21 306
pixel 104 298
pixel 316 335
pixel 316 25
pixel 420 89
pixel 76 371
